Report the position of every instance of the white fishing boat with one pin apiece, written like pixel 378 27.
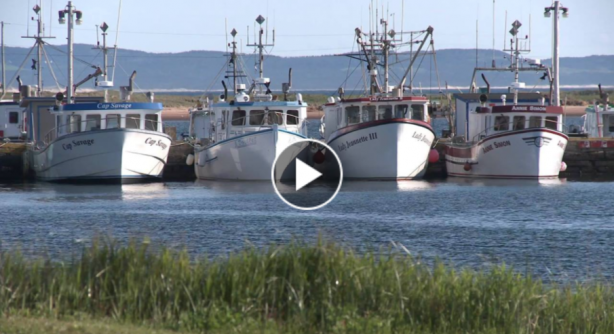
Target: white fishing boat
pixel 239 138
pixel 385 135
pixel 499 137
pixel 599 118
pixel 97 141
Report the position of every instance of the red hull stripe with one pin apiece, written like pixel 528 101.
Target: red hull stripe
pixel 360 126
pixel 502 176
pixel 466 152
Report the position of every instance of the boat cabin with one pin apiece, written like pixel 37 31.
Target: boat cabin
pixel 599 121
pixel 11 120
pixel 474 122
pixel 341 113
pixel 225 120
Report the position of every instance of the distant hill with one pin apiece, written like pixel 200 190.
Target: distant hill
pixel 196 70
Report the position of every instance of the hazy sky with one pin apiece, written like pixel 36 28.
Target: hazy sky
pixel 316 27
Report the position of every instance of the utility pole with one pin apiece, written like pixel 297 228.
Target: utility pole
pixel 555 52
pixel 70 10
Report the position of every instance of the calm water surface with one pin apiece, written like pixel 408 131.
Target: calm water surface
pixel 556 229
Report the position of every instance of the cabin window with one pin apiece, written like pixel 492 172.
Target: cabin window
pixel 113 121
pixel 368 113
pixel 502 123
pixel 292 117
pixel 417 112
pixel 133 121
pixel 238 118
pixel 518 122
pixel 551 122
pixel 400 111
pixel 353 115
pixel 75 123
pixel 338 116
pixel 13 117
pixel 275 117
pixel 535 122
pixel 151 122
pixel 611 123
pixel 384 112
pixel 92 122
pixel 256 117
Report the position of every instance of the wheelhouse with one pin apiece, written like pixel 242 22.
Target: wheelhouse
pixel 73 118
pixel 498 119
pixel 343 113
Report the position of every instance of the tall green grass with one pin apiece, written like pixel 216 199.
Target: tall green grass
pixel 296 288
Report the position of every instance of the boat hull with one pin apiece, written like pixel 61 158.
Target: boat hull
pixel 114 154
pixel 530 153
pixel 394 149
pixel 247 157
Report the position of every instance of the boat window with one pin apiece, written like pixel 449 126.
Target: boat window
pixel 417 111
pixel 275 117
pixel 353 115
pixel 133 121
pixel 256 117
pixel 551 122
pixel 292 117
pixel 151 122
pixel 535 122
pixel 224 119
pixel 13 117
pixel 92 122
pixel 611 123
pixel 238 117
pixel 112 121
pixel 400 111
pixel 384 112
pixel 368 113
pixel 502 123
pixel 519 122
pixel 339 116
pixel 75 123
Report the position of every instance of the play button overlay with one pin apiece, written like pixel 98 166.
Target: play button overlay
pixel 307 175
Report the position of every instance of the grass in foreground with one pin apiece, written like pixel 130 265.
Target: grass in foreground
pixel 292 288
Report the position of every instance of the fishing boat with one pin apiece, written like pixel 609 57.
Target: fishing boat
pixel 97 141
pixel 239 137
pixel 502 137
pixel 599 118
pixel 384 135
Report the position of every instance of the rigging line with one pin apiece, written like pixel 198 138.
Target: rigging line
pixel 55 63
pixel 94 58
pixel 347 78
pixel 64 52
pixel 213 81
pixel 21 66
pixel 416 71
pixel 347 75
pixel 51 70
pixel 119 12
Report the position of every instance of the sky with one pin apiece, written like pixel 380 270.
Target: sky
pixel 316 27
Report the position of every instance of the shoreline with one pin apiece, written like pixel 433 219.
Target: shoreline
pixel 183 114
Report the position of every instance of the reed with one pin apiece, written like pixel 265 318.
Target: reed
pixel 297 287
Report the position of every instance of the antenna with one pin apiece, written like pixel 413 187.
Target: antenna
pixel 493 33
pixel 476 43
pixel 226 32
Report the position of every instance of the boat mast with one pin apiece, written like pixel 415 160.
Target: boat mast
pixel 38 10
pixel 105 64
pixel 233 60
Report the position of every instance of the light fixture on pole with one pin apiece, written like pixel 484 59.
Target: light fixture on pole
pixel 69 11
pixel 556 99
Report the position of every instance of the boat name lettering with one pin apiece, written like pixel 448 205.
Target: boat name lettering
pixel 152 142
pixel 245 141
pixel 350 143
pixel 385 99
pixel 495 145
pixel 77 143
pixel 528 108
pixel 114 106
pixel 422 138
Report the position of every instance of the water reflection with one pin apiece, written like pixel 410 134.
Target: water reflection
pixel 464 181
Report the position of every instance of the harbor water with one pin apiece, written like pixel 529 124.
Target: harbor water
pixel 556 229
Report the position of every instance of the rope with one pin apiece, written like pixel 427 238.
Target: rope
pixel 51 70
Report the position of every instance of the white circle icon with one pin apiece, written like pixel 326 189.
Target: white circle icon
pixel 307 174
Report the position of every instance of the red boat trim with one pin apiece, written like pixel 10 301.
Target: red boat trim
pixel 360 126
pixel 502 176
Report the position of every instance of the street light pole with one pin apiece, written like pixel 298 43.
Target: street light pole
pixel 555 51
pixel 70 10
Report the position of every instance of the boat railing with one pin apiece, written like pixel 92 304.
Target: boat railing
pixel 555 124
pixel 75 127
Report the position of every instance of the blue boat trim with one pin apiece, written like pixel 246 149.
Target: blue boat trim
pixel 251 134
pixel 109 107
